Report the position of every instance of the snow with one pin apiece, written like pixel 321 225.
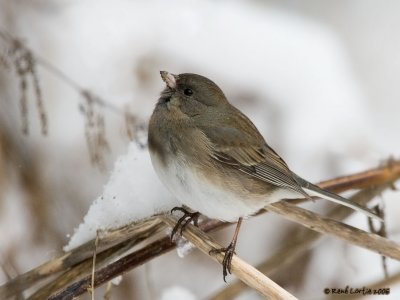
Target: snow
pixel 177 293
pixel 133 192
pixel 183 247
pixel 117 280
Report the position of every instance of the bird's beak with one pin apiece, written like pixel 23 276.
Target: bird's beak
pixel 169 79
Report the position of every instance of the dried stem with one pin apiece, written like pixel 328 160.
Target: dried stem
pixel 245 272
pixel 303 240
pixel 76 272
pixel 25 66
pixel 389 172
pixel 80 270
pixel 95 131
pixel 137 232
pixel 96 243
pixel 115 269
pixel 325 225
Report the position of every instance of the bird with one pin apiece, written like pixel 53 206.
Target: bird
pixel 213 159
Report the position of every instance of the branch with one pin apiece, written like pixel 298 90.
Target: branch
pixel 350 234
pixel 79 270
pixel 245 272
pixel 113 270
pixel 147 253
pixel 136 231
pixel 303 240
pixel 387 173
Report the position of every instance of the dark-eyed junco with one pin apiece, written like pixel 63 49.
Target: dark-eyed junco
pixel 212 158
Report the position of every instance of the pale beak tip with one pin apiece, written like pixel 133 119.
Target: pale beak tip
pixel 169 79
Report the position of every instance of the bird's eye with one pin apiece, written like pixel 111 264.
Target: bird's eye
pixel 188 92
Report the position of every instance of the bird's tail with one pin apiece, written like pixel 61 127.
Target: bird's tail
pixel 314 190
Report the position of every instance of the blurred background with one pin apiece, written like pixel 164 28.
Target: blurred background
pixel 320 79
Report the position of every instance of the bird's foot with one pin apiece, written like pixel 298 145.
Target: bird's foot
pixel 227 261
pixel 184 220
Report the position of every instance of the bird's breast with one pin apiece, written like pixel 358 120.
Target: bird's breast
pixel 192 188
pixel 172 135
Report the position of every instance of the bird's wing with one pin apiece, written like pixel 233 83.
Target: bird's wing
pixel 246 153
pixel 250 154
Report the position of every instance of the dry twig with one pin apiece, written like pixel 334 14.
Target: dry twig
pixel 245 272
pixel 136 232
pixel 303 240
pixel 24 64
pixel 115 269
pixel 95 131
pixel 325 225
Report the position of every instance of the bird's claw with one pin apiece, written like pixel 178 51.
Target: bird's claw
pixel 184 220
pixel 227 261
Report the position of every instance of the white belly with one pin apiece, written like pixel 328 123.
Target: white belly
pixel 194 191
pixel 200 195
